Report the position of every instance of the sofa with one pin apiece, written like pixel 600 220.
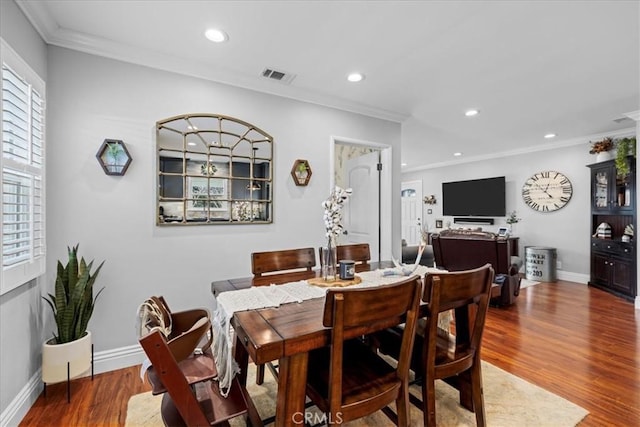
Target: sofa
pixel 409 254
pixel 456 250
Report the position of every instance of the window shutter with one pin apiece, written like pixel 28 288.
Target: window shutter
pixel 23 219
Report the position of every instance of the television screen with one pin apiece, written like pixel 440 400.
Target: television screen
pixel 477 197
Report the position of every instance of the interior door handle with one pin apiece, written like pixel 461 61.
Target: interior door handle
pixel 345 232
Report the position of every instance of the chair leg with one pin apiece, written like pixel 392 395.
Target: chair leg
pixel 259 374
pixel 478 393
pixel 429 401
pixel 402 406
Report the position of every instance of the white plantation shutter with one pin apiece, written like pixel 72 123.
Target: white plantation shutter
pixel 22 178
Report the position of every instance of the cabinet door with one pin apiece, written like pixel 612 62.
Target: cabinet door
pixel 621 270
pixel 601 186
pixel 600 269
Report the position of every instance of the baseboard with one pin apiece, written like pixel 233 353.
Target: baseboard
pixel 104 361
pixel 20 405
pixel 573 277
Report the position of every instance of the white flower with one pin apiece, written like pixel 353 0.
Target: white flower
pixel 333 212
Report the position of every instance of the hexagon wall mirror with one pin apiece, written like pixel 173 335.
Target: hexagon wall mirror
pixel 301 172
pixel 114 157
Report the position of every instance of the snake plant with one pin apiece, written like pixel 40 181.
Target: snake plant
pixel 73 301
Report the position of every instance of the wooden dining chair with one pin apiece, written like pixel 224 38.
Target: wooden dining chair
pixel 347 380
pixel 271 262
pixel 357 252
pixel 456 360
pixel 191 396
pixel 283 260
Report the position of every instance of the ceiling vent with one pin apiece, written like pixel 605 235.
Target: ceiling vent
pixel 621 119
pixel 277 75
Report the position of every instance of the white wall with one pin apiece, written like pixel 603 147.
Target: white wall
pixel 20 309
pixel 113 218
pixel 567 230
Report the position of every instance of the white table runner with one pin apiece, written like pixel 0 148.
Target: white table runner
pixel 258 297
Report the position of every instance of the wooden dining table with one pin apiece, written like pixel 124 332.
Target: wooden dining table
pixel 286 333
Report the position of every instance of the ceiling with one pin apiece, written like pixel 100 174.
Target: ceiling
pixel 566 67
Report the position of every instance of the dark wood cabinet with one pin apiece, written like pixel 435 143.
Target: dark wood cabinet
pixel 613 202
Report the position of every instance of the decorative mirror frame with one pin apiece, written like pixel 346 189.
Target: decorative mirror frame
pixel 213 169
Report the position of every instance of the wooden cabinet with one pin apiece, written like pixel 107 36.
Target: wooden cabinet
pixel 613 201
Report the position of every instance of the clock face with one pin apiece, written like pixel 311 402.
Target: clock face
pixel 547 191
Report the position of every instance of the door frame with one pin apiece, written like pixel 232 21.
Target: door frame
pixel 385 217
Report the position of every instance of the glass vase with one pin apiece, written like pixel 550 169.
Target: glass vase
pixel 329 261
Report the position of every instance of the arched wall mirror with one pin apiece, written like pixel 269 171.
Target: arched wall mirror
pixel 213 169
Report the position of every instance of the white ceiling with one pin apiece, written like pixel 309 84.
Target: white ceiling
pixel 530 67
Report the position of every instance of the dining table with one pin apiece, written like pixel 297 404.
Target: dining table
pixel 286 333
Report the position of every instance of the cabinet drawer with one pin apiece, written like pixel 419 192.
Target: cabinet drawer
pixel 612 247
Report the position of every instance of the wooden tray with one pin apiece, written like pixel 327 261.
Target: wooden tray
pixel 337 283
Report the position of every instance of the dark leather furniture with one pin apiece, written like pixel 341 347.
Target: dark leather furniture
pixel 457 250
pixel 409 254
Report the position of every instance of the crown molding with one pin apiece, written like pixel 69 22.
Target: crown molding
pixel 74 40
pixel 527 150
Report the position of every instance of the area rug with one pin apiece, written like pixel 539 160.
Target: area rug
pixel 524 283
pixel 509 401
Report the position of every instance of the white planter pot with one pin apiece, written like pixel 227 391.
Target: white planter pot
pixel 603 156
pixel 56 356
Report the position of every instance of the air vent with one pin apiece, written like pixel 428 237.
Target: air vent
pixel 621 119
pixel 278 75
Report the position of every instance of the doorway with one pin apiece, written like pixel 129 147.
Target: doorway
pixel 411 212
pixel 365 167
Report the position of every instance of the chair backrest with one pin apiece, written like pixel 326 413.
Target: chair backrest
pixel 353 312
pixel 357 252
pixel 458 251
pixel 466 292
pixel 193 399
pixel 284 260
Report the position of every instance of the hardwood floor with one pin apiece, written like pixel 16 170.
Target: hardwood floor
pixel 577 342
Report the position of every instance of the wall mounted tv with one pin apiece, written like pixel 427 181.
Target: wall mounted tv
pixel 477 197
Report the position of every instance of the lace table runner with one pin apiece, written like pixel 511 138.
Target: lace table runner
pixel 259 297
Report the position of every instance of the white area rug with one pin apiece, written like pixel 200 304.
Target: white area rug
pixel 524 283
pixel 509 402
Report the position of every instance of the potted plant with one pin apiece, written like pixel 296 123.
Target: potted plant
pixel 626 147
pixel 512 219
pixel 68 353
pixel 113 151
pixel 602 149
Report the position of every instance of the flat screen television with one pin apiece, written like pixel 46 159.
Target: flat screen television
pixel 476 197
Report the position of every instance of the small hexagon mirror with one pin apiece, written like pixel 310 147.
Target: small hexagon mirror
pixel 114 157
pixel 301 172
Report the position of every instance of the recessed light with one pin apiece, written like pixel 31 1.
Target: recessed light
pixel 216 36
pixel 355 77
pixel 192 144
pixel 458 154
pixel 403 164
pixel 471 113
pixel 550 135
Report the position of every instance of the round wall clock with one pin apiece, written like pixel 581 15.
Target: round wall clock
pixel 547 191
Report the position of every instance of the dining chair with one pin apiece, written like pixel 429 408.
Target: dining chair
pixel 272 262
pixel 347 380
pixel 456 359
pixel 357 252
pixel 191 396
pixel 283 260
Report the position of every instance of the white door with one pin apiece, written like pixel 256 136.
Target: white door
pixel 411 211
pixel 361 212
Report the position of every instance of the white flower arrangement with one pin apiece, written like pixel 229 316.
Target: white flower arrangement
pixel 333 213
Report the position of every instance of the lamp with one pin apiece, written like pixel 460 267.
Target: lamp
pixel 253 186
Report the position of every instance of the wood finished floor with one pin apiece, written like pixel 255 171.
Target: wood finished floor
pixel 578 342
